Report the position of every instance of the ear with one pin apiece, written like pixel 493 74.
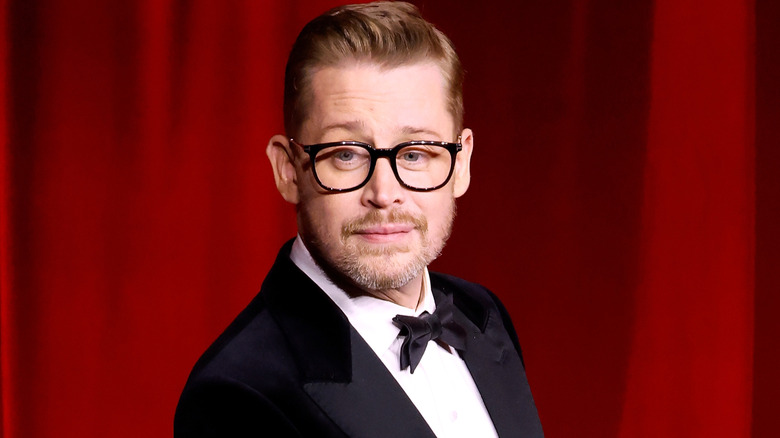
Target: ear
pixel 462 172
pixel 281 157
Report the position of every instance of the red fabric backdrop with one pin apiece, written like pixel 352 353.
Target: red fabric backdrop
pixel 624 203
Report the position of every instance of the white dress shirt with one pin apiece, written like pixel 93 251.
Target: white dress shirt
pixel 441 387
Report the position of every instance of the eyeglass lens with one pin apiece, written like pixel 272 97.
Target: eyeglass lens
pixel 347 166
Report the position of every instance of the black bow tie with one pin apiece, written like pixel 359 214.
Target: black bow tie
pixel 418 330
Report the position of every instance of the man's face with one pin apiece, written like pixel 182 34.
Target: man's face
pixel 382 235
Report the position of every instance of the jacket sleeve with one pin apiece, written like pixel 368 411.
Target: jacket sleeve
pixel 228 409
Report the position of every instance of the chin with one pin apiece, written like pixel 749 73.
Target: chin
pixel 383 267
pixel 381 279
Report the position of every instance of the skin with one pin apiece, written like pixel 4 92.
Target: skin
pixel 374 240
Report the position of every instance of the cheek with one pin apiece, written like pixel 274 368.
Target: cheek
pixel 326 214
pixel 438 211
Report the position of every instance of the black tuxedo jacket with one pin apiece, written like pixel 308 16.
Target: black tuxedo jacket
pixel 292 365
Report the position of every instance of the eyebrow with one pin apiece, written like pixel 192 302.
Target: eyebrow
pixel 411 130
pixel 359 127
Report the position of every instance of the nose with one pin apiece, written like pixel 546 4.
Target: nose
pixel 383 190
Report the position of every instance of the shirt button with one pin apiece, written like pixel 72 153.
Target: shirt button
pixel 454 416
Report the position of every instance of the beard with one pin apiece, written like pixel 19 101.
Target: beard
pixel 375 267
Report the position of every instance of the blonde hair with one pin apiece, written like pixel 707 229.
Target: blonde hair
pixel 390 34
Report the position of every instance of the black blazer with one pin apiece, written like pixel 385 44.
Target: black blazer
pixel 292 365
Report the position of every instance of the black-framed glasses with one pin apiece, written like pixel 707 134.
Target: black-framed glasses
pixel 344 166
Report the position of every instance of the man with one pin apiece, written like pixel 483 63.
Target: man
pixel 373 160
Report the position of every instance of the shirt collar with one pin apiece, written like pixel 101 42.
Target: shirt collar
pixel 372 317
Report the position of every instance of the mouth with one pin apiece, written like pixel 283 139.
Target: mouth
pixel 385 233
pixel 395 228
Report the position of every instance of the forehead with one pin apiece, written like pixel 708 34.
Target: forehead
pixel 372 100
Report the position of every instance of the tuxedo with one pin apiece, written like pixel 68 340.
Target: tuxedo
pixel 292 365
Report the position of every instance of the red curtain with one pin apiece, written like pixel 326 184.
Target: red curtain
pixel 624 203
pixel 692 343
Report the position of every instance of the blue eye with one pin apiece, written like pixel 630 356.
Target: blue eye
pixel 345 155
pixel 343 158
pixel 411 156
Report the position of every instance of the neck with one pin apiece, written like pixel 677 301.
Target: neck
pixel 409 295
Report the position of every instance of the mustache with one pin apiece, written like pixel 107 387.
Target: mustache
pixel 377 218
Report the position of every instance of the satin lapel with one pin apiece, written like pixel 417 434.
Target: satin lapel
pixel 499 375
pixel 338 369
pixel 316 329
pixel 371 404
